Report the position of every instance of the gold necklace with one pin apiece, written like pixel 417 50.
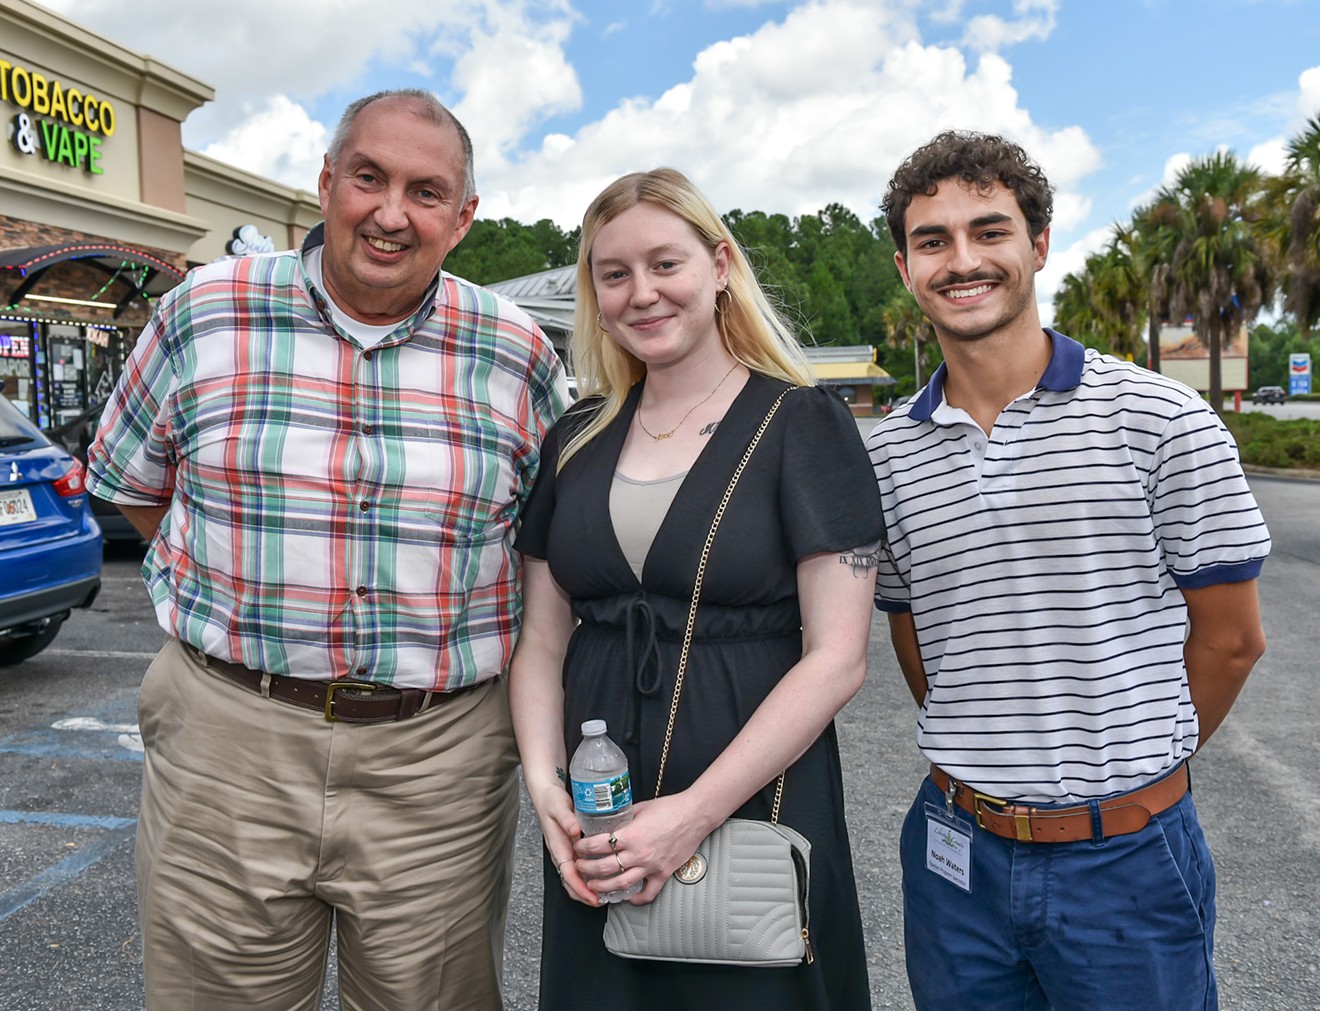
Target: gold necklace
pixel 666 435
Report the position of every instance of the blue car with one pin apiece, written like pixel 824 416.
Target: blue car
pixel 50 545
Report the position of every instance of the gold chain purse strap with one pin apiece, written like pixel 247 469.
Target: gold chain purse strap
pixel 696 595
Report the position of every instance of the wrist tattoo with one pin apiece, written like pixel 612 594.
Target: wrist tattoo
pixel 563 776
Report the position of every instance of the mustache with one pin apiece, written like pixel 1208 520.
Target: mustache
pixel 948 280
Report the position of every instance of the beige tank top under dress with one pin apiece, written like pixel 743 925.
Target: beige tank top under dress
pixel 637 508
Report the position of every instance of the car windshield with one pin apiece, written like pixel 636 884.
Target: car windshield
pixel 16 430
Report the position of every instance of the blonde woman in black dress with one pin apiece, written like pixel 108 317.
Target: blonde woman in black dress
pixel 679 356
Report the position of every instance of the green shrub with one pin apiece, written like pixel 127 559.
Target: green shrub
pixel 1267 441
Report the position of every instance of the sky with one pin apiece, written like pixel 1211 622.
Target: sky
pixel 772 105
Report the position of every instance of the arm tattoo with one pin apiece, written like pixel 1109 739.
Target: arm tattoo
pixel 861 560
pixel 563 776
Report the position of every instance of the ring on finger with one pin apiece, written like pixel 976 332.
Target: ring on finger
pixel 614 842
pixel 620 863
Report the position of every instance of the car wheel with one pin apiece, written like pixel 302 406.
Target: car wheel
pixel 17 648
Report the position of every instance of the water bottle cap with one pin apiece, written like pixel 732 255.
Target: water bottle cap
pixel 593 727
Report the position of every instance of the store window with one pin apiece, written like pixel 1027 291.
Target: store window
pixel 59 373
pixel 66 367
pixel 16 340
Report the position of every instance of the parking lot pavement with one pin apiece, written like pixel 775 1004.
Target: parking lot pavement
pixel 69 773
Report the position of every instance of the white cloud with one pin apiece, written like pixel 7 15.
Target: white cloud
pixel 1308 101
pixel 1035 20
pixel 1270 156
pixel 506 104
pixel 508 64
pixel 250 49
pixel 1173 165
pixel 815 107
pixel 794 116
pixel 278 141
pixel 1063 260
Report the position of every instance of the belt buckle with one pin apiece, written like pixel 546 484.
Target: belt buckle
pixel 333 686
pixel 1021 819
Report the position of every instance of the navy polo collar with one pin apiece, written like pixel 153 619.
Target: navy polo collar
pixel 1063 373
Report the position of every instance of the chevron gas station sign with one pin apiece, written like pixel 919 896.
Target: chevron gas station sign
pixel 1299 374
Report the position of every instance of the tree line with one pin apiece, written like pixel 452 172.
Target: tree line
pixel 831 273
pixel 1219 244
pixel 1215 247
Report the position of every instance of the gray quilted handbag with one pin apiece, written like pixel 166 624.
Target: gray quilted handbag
pixel 741 899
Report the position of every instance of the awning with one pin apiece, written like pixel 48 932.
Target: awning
pixel 851 374
pixel 134 273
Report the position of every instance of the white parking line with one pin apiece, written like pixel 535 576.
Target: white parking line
pixel 128 734
pixel 110 653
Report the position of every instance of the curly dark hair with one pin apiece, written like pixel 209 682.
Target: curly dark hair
pixel 981 159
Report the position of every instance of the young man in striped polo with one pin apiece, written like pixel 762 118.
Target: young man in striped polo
pixel 1071 587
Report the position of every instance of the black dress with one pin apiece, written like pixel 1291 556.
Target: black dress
pixel 809 488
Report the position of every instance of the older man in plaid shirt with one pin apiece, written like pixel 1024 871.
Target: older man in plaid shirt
pixel 328 448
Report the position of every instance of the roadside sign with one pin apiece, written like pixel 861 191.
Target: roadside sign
pixel 1299 374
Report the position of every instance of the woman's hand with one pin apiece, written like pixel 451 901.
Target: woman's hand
pixel 536 701
pixel 559 828
pixel 662 836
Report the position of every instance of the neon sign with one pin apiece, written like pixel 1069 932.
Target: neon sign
pixel 76 125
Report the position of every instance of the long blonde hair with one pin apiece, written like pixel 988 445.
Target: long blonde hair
pixel 750 327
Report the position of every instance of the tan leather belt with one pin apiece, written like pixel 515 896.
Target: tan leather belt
pixel 1120 815
pixel 342 701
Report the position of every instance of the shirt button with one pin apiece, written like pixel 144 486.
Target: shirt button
pixel 367 429
pixel 362 672
pixel 361 591
pixel 365 506
pixel 366 355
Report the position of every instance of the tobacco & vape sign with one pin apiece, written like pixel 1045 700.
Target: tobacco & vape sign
pixel 60 124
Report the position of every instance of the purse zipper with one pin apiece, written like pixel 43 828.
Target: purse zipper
pixel 802 904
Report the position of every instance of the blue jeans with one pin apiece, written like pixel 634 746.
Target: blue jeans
pixel 1124 924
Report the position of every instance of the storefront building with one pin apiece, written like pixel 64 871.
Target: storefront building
pixel 102 210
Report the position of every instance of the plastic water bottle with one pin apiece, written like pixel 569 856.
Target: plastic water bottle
pixel 602 791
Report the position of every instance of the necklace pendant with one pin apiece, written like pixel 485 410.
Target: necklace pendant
pixel 662 436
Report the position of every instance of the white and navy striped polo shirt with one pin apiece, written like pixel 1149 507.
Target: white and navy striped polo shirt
pixel 1042 566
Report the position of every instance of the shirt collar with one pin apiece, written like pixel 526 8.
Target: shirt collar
pixel 1064 372
pixel 316 237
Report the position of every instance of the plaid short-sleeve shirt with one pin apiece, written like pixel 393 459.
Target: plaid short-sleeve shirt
pixel 334 510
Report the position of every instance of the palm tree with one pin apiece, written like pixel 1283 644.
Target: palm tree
pixel 1073 313
pixel 1104 304
pixel 908 326
pixel 1218 273
pixel 1151 239
pixel 1293 229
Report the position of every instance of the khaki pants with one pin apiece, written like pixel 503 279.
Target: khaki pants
pixel 263 823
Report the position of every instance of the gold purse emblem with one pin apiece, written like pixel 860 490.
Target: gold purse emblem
pixel 693 870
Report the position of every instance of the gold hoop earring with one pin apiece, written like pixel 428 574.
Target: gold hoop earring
pixel 721 309
pixel 600 324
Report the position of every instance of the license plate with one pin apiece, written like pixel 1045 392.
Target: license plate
pixel 16 507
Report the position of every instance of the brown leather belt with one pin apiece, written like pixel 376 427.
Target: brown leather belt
pixel 1120 815
pixel 341 701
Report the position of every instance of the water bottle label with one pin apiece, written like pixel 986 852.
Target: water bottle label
pixel 604 796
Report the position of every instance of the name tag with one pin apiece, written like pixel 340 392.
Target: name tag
pixel 948 848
